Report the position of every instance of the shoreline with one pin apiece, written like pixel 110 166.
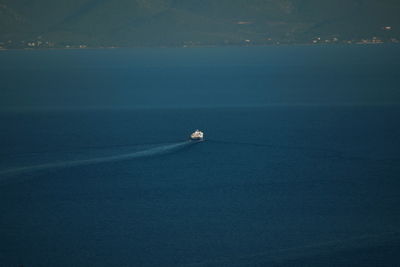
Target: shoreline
pixel 199 46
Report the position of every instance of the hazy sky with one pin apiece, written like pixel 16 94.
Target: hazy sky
pixel 177 77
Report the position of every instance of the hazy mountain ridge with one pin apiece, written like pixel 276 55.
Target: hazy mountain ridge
pixel 45 23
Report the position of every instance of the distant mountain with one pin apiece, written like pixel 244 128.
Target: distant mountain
pixel 124 23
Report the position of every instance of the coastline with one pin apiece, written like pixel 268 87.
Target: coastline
pixel 199 46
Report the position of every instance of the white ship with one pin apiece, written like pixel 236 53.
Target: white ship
pixel 197 135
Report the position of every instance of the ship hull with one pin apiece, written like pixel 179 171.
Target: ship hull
pixel 197 135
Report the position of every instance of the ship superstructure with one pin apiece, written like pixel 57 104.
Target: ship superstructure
pixel 197 135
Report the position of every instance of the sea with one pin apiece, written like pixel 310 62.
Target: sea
pixel 300 165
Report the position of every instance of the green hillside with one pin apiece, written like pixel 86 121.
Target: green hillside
pixel 125 23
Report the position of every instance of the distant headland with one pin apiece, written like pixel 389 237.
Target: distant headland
pixel 46 24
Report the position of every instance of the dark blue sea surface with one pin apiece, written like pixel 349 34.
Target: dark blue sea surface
pixel 282 185
pixel 292 184
pixel 200 77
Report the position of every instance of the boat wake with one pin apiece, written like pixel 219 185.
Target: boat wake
pixel 154 151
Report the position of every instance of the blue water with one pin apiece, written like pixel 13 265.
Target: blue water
pixel 281 185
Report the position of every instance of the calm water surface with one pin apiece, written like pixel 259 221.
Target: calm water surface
pixel 283 185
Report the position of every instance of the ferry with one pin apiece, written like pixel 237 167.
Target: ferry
pixel 197 135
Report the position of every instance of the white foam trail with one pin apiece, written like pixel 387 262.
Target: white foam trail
pixel 139 154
